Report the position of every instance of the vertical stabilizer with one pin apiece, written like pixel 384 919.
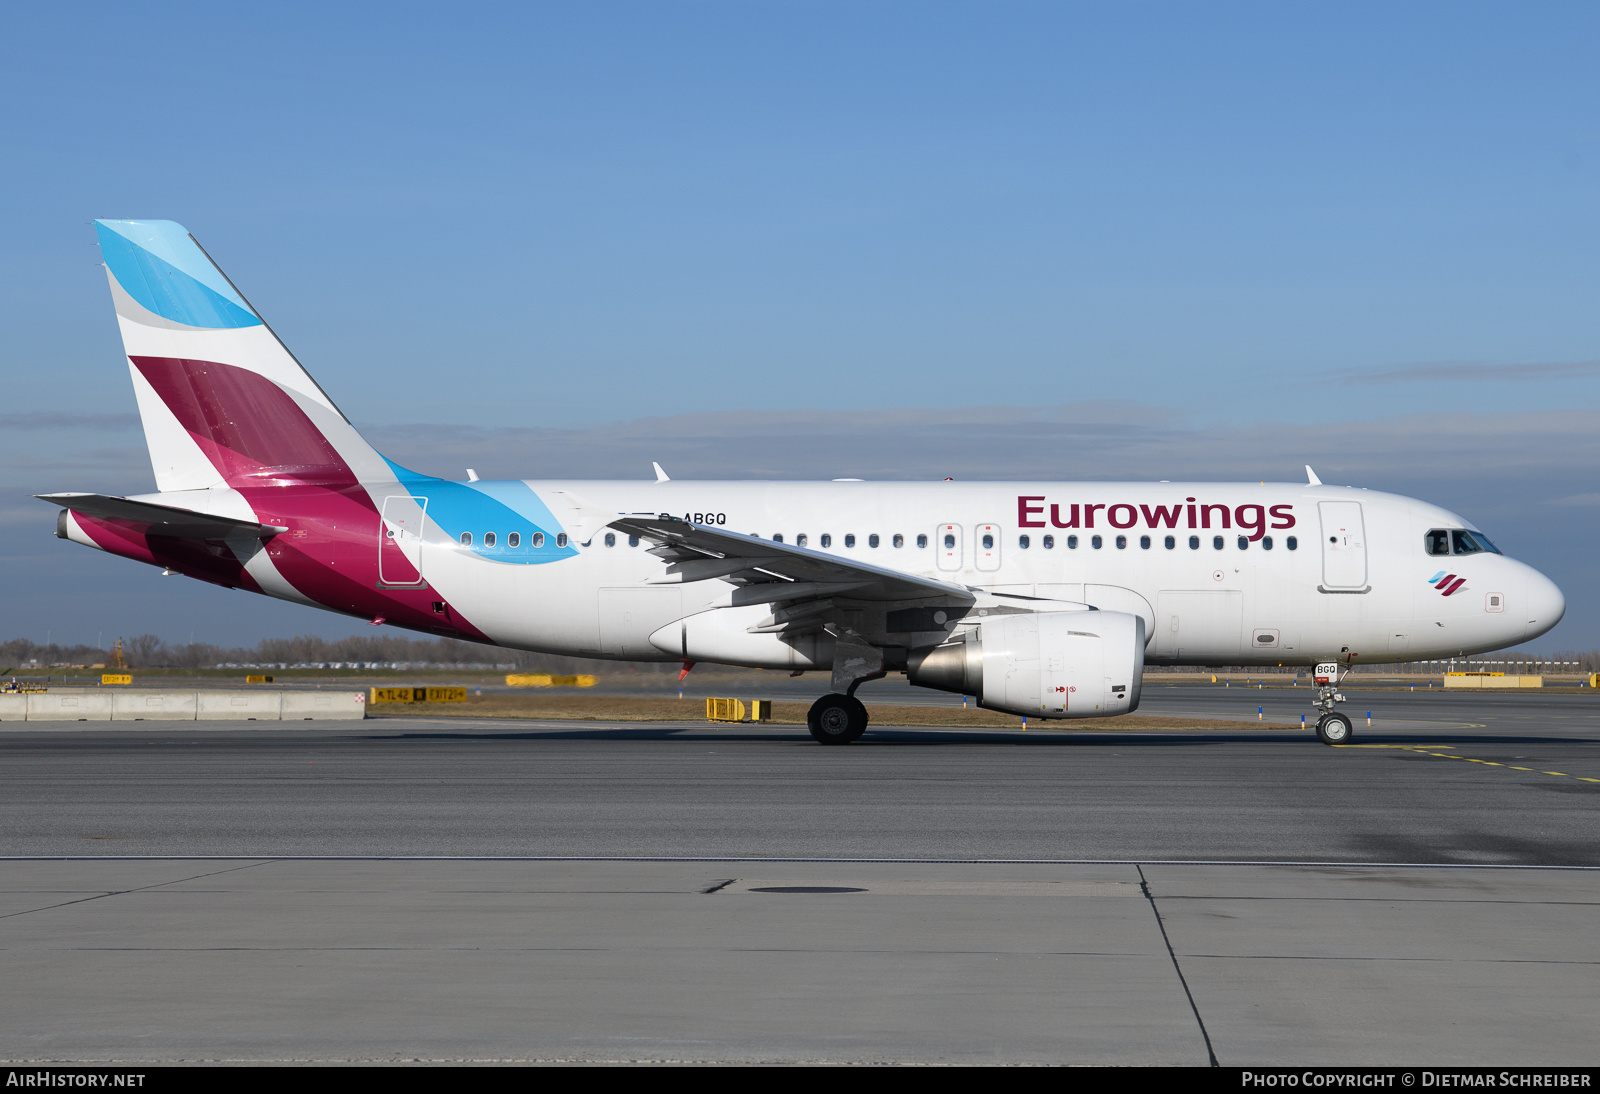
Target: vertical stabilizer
pixel 223 402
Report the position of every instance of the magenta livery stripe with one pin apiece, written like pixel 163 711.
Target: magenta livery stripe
pixel 267 449
pixel 250 429
pixel 1460 581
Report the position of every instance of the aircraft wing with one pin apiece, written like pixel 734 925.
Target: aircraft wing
pixel 164 520
pixel 697 552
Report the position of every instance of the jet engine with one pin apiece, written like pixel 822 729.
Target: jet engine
pixel 1083 664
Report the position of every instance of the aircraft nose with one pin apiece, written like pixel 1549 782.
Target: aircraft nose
pixel 1545 603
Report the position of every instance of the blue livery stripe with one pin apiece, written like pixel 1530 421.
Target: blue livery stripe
pixel 158 265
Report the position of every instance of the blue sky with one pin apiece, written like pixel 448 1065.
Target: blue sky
pixel 1239 220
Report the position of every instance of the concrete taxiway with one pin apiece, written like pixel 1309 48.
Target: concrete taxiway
pixel 1430 897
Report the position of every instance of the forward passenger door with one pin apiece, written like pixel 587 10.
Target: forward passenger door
pixel 1344 547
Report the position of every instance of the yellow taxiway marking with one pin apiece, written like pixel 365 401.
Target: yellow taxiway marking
pixel 1429 750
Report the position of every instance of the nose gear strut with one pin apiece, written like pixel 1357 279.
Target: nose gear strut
pixel 1333 728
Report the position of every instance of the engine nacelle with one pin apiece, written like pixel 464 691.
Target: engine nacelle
pixel 1047 665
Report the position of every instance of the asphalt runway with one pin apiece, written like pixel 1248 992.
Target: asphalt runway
pixel 1429 895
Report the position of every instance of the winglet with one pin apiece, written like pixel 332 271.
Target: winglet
pixel 661 476
pixel 1311 477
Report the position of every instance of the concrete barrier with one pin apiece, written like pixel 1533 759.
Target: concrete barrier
pixel 1491 680
pixel 167 704
pixel 321 705
pixel 70 706
pixel 181 705
pixel 239 706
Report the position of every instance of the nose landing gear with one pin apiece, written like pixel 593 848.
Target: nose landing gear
pixel 1333 728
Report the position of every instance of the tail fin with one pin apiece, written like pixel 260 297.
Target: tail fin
pixel 223 402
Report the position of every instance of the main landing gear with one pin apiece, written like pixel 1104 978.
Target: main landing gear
pixel 837 719
pixel 840 718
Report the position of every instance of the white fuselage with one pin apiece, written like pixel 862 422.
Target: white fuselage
pixel 1347 575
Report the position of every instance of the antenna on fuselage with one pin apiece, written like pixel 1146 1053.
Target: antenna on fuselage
pixel 1311 477
pixel 661 476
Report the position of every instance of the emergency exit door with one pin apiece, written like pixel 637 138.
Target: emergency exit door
pixel 948 539
pixel 1344 547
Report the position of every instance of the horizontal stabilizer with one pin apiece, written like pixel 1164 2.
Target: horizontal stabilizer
pixel 164 520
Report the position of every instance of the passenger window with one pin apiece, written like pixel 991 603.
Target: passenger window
pixel 1244 543
pixel 850 539
pixel 1022 541
pixel 872 540
pixel 1436 541
pixel 633 541
pixel 488 539
pixel 1144 542
pixel 1171 542
pixel 1266 543
pixel 899 540
pixel 800 540
pixel 611 539
pixel 1216 543
pixel 1096 542
pixel 514 539
pixel 1292 543
pixel 949 542
pixel 1122 543
pixel 777 537
pixel 1049 543
pixel 922 541
pixel 827 540
pixel 1194 543
pixel 561 539
pixel 538 539
pixel 988 543
pixel 466 539
pixel 1072 543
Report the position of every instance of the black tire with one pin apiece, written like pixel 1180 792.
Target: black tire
pixel 837 719
pixel 1335 729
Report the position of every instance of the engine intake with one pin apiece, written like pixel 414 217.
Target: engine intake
pixel 1047 664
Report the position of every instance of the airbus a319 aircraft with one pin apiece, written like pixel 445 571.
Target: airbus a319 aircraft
pixel 1044 599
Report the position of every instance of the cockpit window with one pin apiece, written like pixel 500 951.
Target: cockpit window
pixel 1470 543
pixel 1457 541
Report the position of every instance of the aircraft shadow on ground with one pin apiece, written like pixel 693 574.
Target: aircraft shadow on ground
pixel 899 736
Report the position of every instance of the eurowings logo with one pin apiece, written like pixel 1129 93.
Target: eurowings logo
pixel 1446 583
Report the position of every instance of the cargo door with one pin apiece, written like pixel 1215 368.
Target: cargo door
pixel 629 616
pixel 1344 547
pixel 400 541
pixel 1199 624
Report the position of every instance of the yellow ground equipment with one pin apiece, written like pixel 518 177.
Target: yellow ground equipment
pixel 734 710
pixel 258 679
pixel 116 678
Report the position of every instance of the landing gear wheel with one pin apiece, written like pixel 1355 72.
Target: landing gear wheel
pixel 1334 729
pixel 837 719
